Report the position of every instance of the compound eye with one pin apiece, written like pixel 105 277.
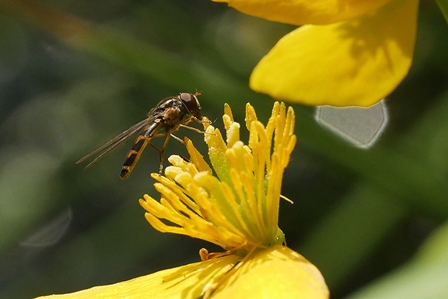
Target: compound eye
pixel 191 102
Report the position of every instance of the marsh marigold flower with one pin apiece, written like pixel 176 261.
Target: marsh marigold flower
pixel 348 53
pixel 235 206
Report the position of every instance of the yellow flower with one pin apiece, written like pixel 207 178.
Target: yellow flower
pixel 349 53
pixel 236 208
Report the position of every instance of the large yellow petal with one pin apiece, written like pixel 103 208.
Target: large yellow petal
pixel 299 12
pixel 356 62
pixel 186 281
pixel 276 272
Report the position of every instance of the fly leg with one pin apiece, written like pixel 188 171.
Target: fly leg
pixel 183 142
pixel 161 151
pixel 165 143
pixel 192 129
pixel 168 134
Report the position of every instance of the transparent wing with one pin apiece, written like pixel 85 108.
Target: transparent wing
pixel 114 142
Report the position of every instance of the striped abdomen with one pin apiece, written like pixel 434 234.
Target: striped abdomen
pixel 139 145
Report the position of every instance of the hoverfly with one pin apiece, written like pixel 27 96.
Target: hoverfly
pixel 168 116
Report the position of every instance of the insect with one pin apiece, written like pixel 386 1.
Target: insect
pixel 168 116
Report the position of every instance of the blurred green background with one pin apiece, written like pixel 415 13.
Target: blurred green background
pixel 73 74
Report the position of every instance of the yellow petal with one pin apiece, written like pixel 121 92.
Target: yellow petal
pixel 276 272
pixel 357 62
pixel 299 12
pixel 187 281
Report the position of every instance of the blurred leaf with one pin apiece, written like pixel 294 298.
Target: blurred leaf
pixel 352 232
pixel 126 51
pixel 443 4
pixel 24 196
pixel 423 278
